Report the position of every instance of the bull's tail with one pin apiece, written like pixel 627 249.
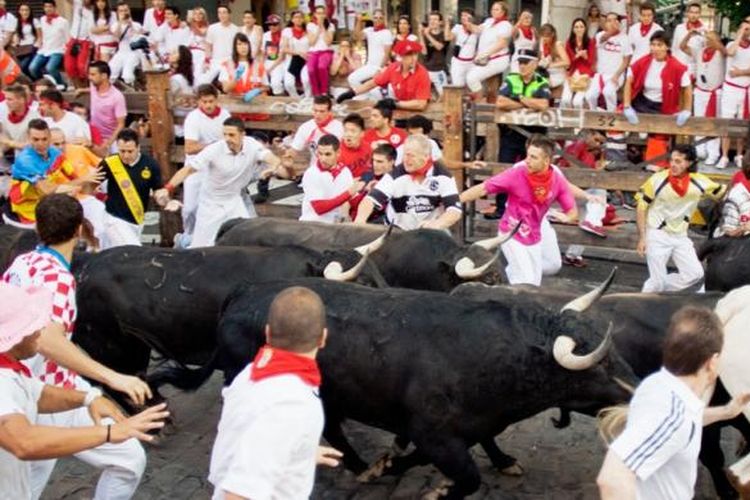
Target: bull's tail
pixel 182 377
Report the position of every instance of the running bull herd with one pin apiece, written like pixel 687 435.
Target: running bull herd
pixel 424 340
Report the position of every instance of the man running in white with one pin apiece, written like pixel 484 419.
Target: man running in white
pixel 613 54
pixel 308 134
pixel 379 41
pixel 230 165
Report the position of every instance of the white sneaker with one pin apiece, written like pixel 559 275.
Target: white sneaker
pixel 738 161
pixel 701 153
pixel 723 163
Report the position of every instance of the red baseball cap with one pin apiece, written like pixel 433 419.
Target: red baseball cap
pixel 407 47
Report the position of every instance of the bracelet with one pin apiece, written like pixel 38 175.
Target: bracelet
pixel 109 432
pixel 169 187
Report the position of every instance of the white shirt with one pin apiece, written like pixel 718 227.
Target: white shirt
pixel 695 44
pixel 135 31
pixel 298 45
pixel 641 45
pixel 18 395
pixel 610 54
pixel 73 125
pixel 54 35
pixel 149 21
pixel 107 36
pixel 28 32
pixel 491 33
pixel 740 60
pixel 178 84
pixel 619 7
pixel 320 184
pixel 168 39
pixel 8 25
pixel 221 39
pixel 662 438
pixel 377 41
pixel 436 153
pixel 466 41
pixel 203 129
pixel 255 36
pixel 83 21
pixel 267 439
pixel 709 75
pixel 308 135
pixel 228 173
pixel 320 44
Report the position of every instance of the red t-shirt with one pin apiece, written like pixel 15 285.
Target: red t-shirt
pixel 395 137
pixel 358 160
pixel 415 85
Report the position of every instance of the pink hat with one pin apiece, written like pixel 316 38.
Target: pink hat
pixel 23 311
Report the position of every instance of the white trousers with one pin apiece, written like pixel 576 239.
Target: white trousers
pixel 570 99
pixel 524 263
pixel 118 232
pixel 290 84
pixel 551 258
pixel 733 101
pixel 122 464
pixel 123 65
pixel 95 212
pixel 212 214
pixel 459 70
pixel 361 75
pixel 191 189
pixel 709 149
pixel 439 80
pixel 478 74
pixel 276 77
pixel 602 85
pixel 660 246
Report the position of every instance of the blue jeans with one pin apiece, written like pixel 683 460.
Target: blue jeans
pixel 42 65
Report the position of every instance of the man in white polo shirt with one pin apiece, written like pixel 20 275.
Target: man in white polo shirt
pixel 76 129
pixel 656 455
pixel 55 33
pixel 220 36
pixel 267 441
pixel 203 126
pixel 308 134
pixel 230 165
pixel 379 41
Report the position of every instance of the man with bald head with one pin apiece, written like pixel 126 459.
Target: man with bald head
pixel 270 426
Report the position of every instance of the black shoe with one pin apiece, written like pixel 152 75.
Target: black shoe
pixel 493 215
pixel 263 192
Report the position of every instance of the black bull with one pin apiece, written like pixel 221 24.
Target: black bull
pixel 442 371
pixel 727 262
pixel 424 259
pixel 132 299
pixel 640 322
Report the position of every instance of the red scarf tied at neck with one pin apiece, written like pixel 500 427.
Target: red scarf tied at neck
pixel 334 171
pixel 271 361
pixel 159 16
pixel 18 117
pixel 739 178
pixel 527 32
pixel 213 114
pixel 3 12
pixel 680 184
pixel 645 28
pixel 694 26
pixel 541 184
pixel 176 25
pixel 378 27
pixel 275 38
pixel 298 32
pixel 497 20
pixel 422 171
pixel 15 365
pixel 744 43
pixel 51 17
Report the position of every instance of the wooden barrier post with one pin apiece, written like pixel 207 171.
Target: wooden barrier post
pixel 160 117
pixel 453 135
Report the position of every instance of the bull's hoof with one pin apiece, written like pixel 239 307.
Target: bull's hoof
pixel 514 470
pixel 376 470
pixel 440 491
pixel 742 488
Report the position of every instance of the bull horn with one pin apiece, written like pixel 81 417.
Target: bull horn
pixel 334 271
pixel 466 269
pixel 563 352
pixel 583 302
pixel 373 246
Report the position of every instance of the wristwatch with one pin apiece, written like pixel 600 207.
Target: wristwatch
pixel 91 396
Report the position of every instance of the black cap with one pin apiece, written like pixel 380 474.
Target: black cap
pixel 527 55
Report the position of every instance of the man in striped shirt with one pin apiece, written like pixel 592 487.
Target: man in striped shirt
pixel 656 455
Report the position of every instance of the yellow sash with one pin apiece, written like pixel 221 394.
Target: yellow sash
pixel 127 187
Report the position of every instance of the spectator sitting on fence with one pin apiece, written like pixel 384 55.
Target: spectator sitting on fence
pixel 581 51
pixel 554 59
pixel 197 21
pixel 295 44
pixel 126 59
pixel 275 58
pixel 735 213
pixel 383 160
pixel 524 37
pixel 241 75
pixel 435 50
pixel 407 80
pixel 735 95
pixel 612 60
pixel 309 133
pixel 52 109
pixel 587 150
pixel 253 32
pixel 658 84
pixel 25 37
pixel 709 77
pixel 182 77
pixel 55 31
pixel 493 48
pixel 345 61
pixel 219 42
pixel 154 16
pixel 464 41
pixel 379 43
pixel 170 35
pixel 105 43
pixel 320 31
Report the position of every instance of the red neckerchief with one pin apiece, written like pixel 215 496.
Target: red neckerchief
pixel 322 125
pixel 18 118
pixel 546 49
pixel 2 96
pixel 276 38
pixel 645 28
pixel 378 27
pixel 335 170
pixel 744 43
pixel 526 31
pixel 739 178
pixel 15 365
pixel 496 21
pixel 422 172
pixel 694 26
pixel 298 32
pixel 51 17
pixel 271 361
pixel 680 184
pixel 176 25
pixel 3 12
pixel 159 16
pixel 708 54
pixel 213 114
pixel 541 184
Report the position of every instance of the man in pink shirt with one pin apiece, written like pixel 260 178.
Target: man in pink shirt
pixel 532 189
pixel 108 109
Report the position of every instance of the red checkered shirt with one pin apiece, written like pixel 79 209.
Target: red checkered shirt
pixel 43 269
